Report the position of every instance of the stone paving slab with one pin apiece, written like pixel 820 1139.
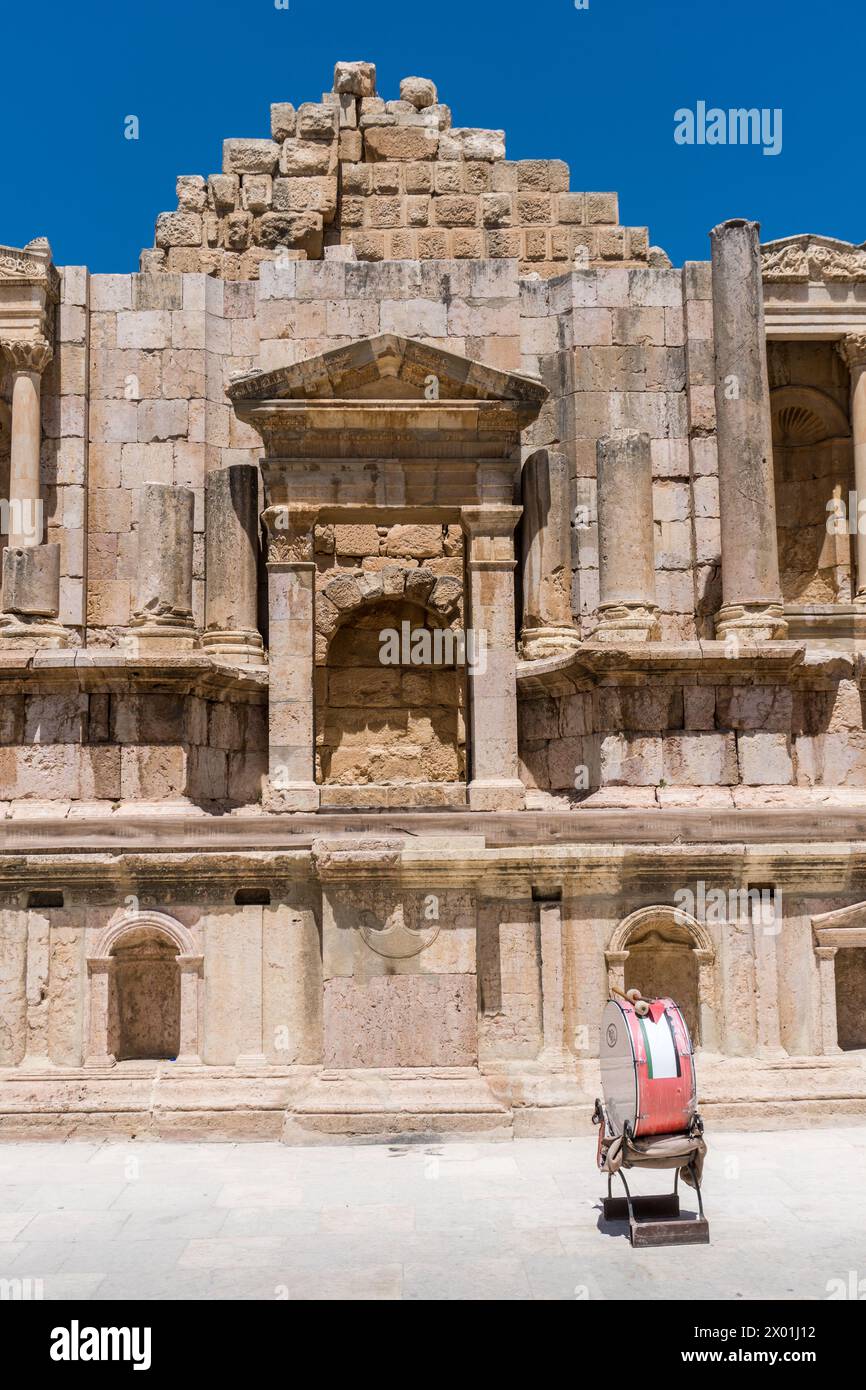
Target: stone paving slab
pixel 434 1221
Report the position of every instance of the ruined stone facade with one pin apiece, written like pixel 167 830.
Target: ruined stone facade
pixel 422 607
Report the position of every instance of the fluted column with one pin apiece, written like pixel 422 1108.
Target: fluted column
pixel 547 627
pixel 492 673
pixel 28 360
pixel 627 609
pixel 291 616
pixel 231 548
pixel 162 622
pixel 751 592
pixel 853 351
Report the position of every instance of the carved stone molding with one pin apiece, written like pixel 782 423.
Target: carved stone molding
pixel 290 535
pixel 27 354
pixel 800 259
pixel 30 266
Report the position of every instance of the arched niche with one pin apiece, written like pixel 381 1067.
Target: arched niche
pixel 661 950
pixel 813 466
pixel 144 981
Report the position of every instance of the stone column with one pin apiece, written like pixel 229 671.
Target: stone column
pixel 492 673
pixel 751 592
pixel 31 570
pixel 827 976
pixel 627 608
pixel 769 1033
pixel 231 549
pixel 162 622
pixel 291 623
pixel 707 999
pixel 852 349
pixel 100 970
pixel 28 360
pixel 189 1051
pixel 547 624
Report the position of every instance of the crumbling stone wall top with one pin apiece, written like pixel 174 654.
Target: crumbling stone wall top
pixel 385 180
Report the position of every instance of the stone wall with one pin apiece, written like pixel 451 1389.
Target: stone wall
pixel 393 180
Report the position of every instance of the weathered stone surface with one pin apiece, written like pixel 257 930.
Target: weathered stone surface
pixel 418 91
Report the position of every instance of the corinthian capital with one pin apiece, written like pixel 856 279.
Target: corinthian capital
pixel 26 354
pixel 852 349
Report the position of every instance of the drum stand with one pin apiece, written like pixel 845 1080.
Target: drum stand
pixel 656 1220
pixel 653 1220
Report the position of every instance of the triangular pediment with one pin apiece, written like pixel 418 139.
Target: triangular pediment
pixel 388 367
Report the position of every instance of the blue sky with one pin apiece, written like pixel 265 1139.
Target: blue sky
pixel 596 87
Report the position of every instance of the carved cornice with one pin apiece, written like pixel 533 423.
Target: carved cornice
pixel 801 259
pixel 852 349
pixel 26 354
pixel 30 266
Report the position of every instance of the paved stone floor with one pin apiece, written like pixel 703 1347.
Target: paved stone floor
pixel 517 1220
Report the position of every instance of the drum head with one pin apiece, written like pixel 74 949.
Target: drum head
pixel 618 1072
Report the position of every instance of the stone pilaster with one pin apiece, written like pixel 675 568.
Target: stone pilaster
pixel 552 983
pixel 751 592
pixel 826 957
pixel 547 627
pixel 492 675
pixel 189 1051
pixel 291 704
pixel 231 549
pixel 627 608
pixel 853 351
pixel 162 622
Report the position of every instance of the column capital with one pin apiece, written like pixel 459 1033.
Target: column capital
pixel 495 519
pixel 852 350
pixel 27 354
pixel 826 952
pixel 290 534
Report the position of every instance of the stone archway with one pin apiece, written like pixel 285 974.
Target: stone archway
pixel 662 950
pixel 126 1014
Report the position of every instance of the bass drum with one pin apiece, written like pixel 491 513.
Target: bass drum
pixel 647 1069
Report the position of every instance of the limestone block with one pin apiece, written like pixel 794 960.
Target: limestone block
pixel 459 211
pixel 700 759
pixel 477 144
pixel 418 91
pixel 31 580
pixel 356 540
pixel 250 156
pixel 416 542
pixel 191 192
pixel 356 79
pixel 601 207
pixel 298 195
pixel 317 121
pixel 418 177
pixel 629 760
pixel 307 158
pixel 284 119
pixel 178 229
pixel 403 143
pixel 147 329
pixel 301 230
pixel 402 1020
pixel 223 191
pixel 765 758
pixel 256 192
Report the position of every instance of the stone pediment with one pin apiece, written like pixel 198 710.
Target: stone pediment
pixel 804 258
pixel 388 367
